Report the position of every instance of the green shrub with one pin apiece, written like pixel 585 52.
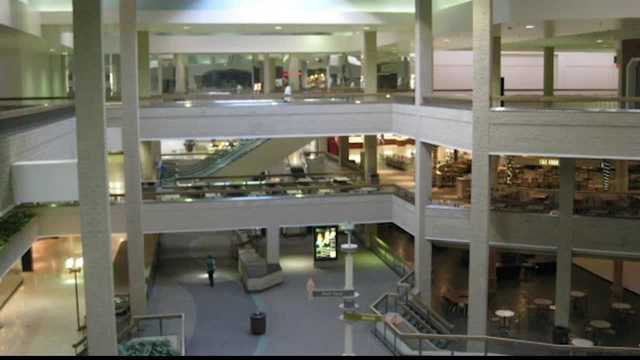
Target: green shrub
pixel 147 348
pixel 12 223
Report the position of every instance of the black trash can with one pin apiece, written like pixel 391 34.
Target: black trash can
pixel 258 323
pixel 560 335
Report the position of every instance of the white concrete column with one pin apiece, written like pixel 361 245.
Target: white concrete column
pixel 181 74
pixel 564 259
pixel 617 288
pixel 622 176
pixel 160 77
pixel 370 62
pixel 422 246
pixel 370 156
pixel 496 70
pixel 95 214
pixel 269 75
pixel 321 145
pixel 144 70
pixel 549 71
pixel 479 247
pixel 424 50
pixel 294 72
pixel 343 150
pixel 329 81
pixel 273 245
pixel 131 148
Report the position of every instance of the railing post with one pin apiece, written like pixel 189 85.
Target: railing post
pixel 161 328
pixel 419 347
pixel 395 343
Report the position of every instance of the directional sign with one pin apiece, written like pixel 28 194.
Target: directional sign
pixel 354 316
pixel 334 293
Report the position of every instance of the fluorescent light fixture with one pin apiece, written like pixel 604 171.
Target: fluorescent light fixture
pixel 599 41
pixel 278 27
pixel 52 50
pixel 530 27
pixel 367 28
pixel 187 27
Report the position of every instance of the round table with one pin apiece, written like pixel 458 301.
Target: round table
pixel 582 342
pixel 577 294
pixel 504 316
pixel 543 302
pixel 621 306
pixel 600 324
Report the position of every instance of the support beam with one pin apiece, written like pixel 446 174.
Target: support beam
pixel 131 147
pixel 95 214
pixel 343 150
pixel 273 245
pixel 496 69
pixel 617 288
pixel 370 157
pixel 294 72
pixel 564 261
pixel 549 71
pixel 181 74
pixel 269 75
pixel 622 176
pixel 424 50
pixel 144 70
pixel 423 246
pixel 479 247
pixel 370 62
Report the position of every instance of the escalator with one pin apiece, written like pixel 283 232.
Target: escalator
pixel 249 157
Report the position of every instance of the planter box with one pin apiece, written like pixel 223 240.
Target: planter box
pixel 18 245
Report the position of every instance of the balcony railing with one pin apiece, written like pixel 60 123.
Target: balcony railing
pixel 566 102
pixel 403 343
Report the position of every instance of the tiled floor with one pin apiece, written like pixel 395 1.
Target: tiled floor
pixel 217 320
pixel 40 318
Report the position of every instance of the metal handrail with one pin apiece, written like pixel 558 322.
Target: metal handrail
pixel 486 339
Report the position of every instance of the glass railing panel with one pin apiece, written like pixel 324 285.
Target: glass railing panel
pixel 525 200
pixel 610 204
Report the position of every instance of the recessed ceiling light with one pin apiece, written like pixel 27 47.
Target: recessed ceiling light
pixel 278 27
pixel 530 27
pixel 367 28
pixel 187 27
pixel 52 50
pixel 599 41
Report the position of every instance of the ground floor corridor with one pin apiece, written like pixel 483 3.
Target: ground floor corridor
pixel 217 319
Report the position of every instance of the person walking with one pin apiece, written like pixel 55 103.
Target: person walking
pixel 211 269
pixel 288 93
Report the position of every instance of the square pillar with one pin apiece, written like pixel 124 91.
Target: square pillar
pixel 273 245
pixel 181 74
pixel 370 157
pixel 423 246
pixel 549 71
pixel 496 69
pixel 144 71
pixel 617 288
pixel 294 72
pixel 622 176
pixel 480 185
pixel 95 212
pixel 370 62
pixel 129 47
pixel 424 50
pixel 269 75
pixel 564 260
pixel 343 150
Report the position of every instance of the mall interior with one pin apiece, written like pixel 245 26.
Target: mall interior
pixel 327 177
